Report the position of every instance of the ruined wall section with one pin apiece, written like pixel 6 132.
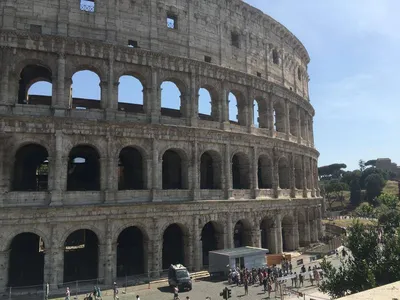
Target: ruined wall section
pixel 203 28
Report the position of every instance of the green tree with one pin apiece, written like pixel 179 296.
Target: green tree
pixel 333 171
pixel 334 191
pixel 349 176
pixel 361 164
pixel 389 200
pixel 371 163
pixel 374 185
pixel 355 192
pixel 370 171
pixel 365 210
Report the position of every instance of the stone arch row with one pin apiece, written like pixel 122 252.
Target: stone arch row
pixel 82 167
pixel 79 254
pixel 253 106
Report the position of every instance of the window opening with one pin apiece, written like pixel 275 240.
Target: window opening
pixel 235 39
pixel 258 74
pixel 207 59
pixel 172 21
pixel 36 29
pixel 133 44
pixel 275 57
pixel 87 5
pixel 298 74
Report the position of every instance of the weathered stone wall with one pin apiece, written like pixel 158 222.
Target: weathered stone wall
pixel 70 40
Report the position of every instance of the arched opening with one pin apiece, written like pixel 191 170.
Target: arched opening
pixel 288 243
pixel 85 90
pixel 205 105
pixel 130 170
pixel 283 169
pixel 298 174
pixel 302 230
pixel 35 85
pixel 294 123
pixel 131 252
pixel 31 169
pixel 83 169
pixel 81 256
pixel 256 114
pixel 279 117
pixel 267 235
pixel 233 109
pixel 264 172
pixel 173 171
pixel 173 251
pixel 241 234
pixel 240 172
pixel 212 239
pixel 210 171
pixel 171 104
pixel 130 94
pixel 275 57
pixel 26 261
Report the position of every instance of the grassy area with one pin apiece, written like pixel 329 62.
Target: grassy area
pixel 391 188
pixel 347 222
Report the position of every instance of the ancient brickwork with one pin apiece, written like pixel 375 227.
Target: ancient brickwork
pixel 255 185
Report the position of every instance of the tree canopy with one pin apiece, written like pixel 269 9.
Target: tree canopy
pixel 333 171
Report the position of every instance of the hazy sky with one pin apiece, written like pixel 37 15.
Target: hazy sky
pixel 355 58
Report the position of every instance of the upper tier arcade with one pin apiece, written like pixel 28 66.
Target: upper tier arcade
pixel 228 33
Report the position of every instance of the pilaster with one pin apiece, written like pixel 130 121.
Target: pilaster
pixel 60 102
pixel 254 172
pixel 155 171
pixel 270 112
pixel 155 112
pixel 4 259
pixel 305 182
pixel 287 119
pixel 195 171
pixel 197 247
pixel 278 232
pixel 228 171
pixel 256 238
pixel 292 176
pixel 104 100
pixel 225 125
pixel 229 231
pixel 59 165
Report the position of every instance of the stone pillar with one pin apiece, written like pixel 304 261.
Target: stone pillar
pixel 229 231
pixel 112 93
pixel 254 172
pixel 312 182
pixel 148 174
pixel 188 250
pixel 307 236
pixel 256 238
pixel 305 182
pixel 104 176
pixel 311 132
pixel 4 261
pixel 102 263
pixel 197 245
pixel 272 240
pixel 250 110
pixel 195 172
pixel 296 237
pixel 228 171
pixel 313 231
pixel 156 246
pixel 287 119
pixel 112 179
pixel 155 112
pixel 56 266
pixel 275 174
pixel 68 92
pixel 225 107
pixel 193 100
pixel 156 172
pixel 270 113
pixel 110 259
pixel 59 164
pixel 292 176
pixel 298 125
pixel 104 101
pixel 278 230
pixel 61 101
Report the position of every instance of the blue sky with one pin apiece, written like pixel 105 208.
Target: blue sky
pixel 355 58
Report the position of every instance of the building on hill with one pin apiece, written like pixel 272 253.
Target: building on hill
pixel 386 164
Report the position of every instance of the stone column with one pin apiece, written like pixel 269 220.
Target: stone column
pixel 104 100
pixel 112 93
pixel 292 176
pixel 102 263
pixel 193 100
pixel 272 240
pixel 110 257
pixel 305 182
pixel 311 132
pixel 307 236
pixel 155 112
pixel 68 92
pixel 104 176
pixel 56 266
pixel 4 261
pixel 256 238
pixel 254 172
pixel 112 184
pixel 60 171
pixel 195 172
pixel 188 250
pixel 228 171
pixel 278 230
pixel 312 183
pixel 298 124
pixel 250 110
pixel 61 101
pixel 156 172
pixel 275 174
pixel 270 113
pixel 149 174
pixel 155 245
pixel 197 249
pixel 296 237
pixel 225 125
pixel 287 119
pixel 229 231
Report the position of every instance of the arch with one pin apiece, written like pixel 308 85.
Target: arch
pixel 171 99
pixel 212 237
pixel 303 241
pixel 83 169
pixel 237 108
pixel 293 121
pixel 298 173
pixel 279 117
pixel 208 103
pixel 85 89
pixel 288 243
pixel 210 170
pixel 31 168
pixel 130 94
pixel 233 108
pixel 174 170
pixel 242 234
pixel 265 172
pixel 267 226
pixel 26 260
pixel 256 114
pixel 283 171
pixel 30 75
pixel 131 169
pixel 81 256
pixel 240 171
pixel 132 251
pixel 174 241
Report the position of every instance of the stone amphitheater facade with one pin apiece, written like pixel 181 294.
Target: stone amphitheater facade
pixel 201 182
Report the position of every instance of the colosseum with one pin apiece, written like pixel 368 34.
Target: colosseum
pixel 103 189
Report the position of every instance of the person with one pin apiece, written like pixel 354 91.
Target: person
pixel 115 291
pixel 301 280
pixel 265 281
pixel 137 297
pixel 67 294
pixel 246 287
pixel 187 298
pixel 176 293
pixel 98 293
pixel 47 291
